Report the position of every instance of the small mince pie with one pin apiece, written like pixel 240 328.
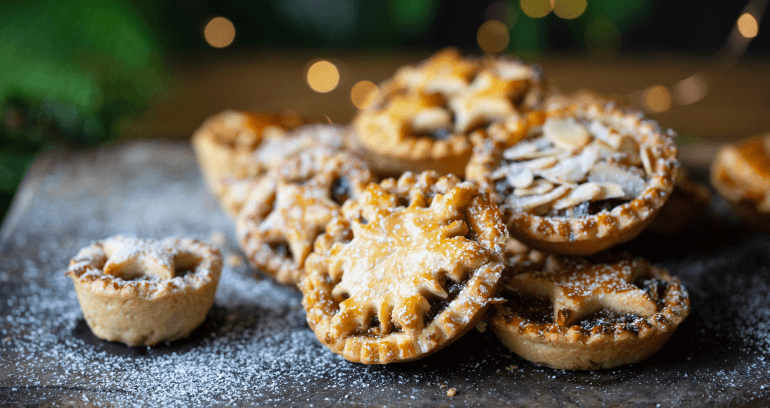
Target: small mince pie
pixel 423 117
pixel 142 292
pixel 573 314
pixel 741 175
pixel 276 147
pixel 589 178
pixel 410 266
pixel 290 206
pixel 230 136
pixel 689 201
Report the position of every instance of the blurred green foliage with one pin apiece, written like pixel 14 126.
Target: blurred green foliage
pixel 71 71
pixel 597 29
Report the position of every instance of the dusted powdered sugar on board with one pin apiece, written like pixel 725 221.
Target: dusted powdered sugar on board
pixel 255 349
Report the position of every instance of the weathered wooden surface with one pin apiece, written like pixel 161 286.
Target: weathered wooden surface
pixel 255 348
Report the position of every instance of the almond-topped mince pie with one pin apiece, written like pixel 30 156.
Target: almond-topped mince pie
pixel 142 292
pixel 590 177
pixel 290 206
pixel 741 175
pixel 228 137
pixel 574 314
pixel 422 118
pixel 411 265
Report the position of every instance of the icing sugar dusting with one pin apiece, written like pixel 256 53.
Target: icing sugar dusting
pixel 255 348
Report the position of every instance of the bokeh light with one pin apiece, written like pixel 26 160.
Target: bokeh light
pixel 656 99
pixel 363 93
pixel 219 32
pixel 323 76
pixel 691 89
pixel 748 26
pixel 536 8
pixel 503 12
pixel 493 36
pixel 569 9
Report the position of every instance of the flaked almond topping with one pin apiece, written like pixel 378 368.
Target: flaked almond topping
pixel 606 134
pixel 589 192
pixel 572 162
pixel 644 154
pixel 573 169
pixel 632 184
pixel 538 187
pixel 566 133
pixel 534 201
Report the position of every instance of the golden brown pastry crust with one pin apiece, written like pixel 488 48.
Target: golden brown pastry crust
pixel 289 207
pixel 741 175
pixel 422 118
pixel 604 315
pixel 555 182
pixel 228 137
pixel 409 267
pixel 134 291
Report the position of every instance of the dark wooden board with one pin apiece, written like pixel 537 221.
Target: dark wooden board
pixel 255 348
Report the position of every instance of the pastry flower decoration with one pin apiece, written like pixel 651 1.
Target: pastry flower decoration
pixel 399 257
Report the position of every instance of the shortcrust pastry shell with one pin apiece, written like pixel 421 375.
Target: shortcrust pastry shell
pixel 145 312
pixel 594 233
pixel 334 318
pixel 573 347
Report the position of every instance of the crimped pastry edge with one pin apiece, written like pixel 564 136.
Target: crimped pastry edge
pixel 594 233
pixel 575 348
pixel 461 315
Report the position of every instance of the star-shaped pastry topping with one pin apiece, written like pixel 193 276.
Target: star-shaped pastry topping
pixel 579 289
pixel 129 257
pixel 446 72
pixel 488 98
pixel 399 258
pixel 300 214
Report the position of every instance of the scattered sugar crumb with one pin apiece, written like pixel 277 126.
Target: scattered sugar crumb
pixel 481 327
pixel 234 260
pixel 451 392
pixel 218 238
pixel 443 386
pixel 512 367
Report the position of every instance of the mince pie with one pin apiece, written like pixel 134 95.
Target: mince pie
pixel 288 207
pixel 409 266
pixel 588 178
pixel 142 292
pixel 228 137
pixel 574 314
pixel 741 175
pixel 422 118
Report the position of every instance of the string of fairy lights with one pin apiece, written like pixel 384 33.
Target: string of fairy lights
pixel 493 36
